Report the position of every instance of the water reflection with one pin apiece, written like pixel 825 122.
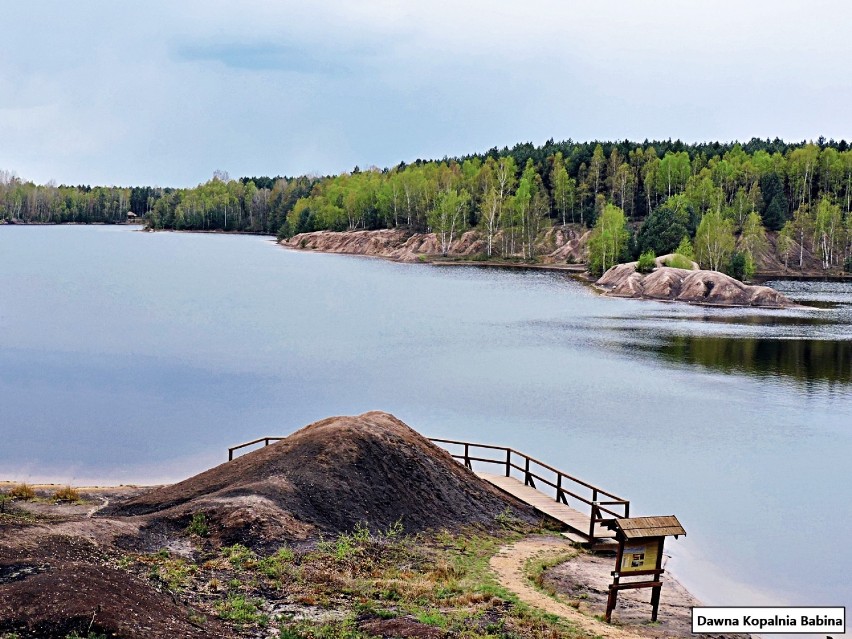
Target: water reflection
pixel 804 345
pixel 805 360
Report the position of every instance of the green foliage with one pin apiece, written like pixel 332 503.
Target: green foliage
pixel 608 240
pixel 276 565
pixel 685 249
pixel 175 572
pixel 198 525
pixel 647 262
pixel 776 205
pixel 447 218
pixel 338 629
pixel 239 556
pixel 510 195
pixel 679 261
pixel 432 617
pixel 741 266
pixel 667 225
pixel 714 241
pixel 242 611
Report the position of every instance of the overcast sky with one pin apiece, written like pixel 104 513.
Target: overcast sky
pixel 164 93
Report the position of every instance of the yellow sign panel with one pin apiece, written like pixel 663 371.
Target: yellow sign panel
pixel 640 557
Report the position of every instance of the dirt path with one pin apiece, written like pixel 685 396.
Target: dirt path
pixel 509 565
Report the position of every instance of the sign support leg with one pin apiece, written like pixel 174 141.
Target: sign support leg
pixel 610 603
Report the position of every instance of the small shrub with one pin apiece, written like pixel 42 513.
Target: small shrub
pixel 22 491
pixel 685 249
pixel 506 519
pixel 239 556
pixel 646 262
pixel 66 494
pixel 275 566
pixel 198 525
pixel 741 266
pixel 241 611
pixel 396 530
pixel 432 618
pixel 679 261
pixel 177 574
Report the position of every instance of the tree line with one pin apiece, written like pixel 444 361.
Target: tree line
pixel 31 203
pixel 720 197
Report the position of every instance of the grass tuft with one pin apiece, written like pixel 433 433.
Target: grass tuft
pixel 66 493
pixel 22 491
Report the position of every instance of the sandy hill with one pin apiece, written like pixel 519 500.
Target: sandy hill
pixel 682 285
pixel 326 478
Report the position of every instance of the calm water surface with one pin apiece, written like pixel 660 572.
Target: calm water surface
pixel 137 357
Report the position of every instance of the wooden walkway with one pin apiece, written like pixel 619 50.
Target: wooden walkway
pixel 577 522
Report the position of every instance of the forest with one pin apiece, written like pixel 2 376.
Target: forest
pixel 713 202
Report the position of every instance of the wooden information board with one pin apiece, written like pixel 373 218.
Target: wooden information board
pixel 640 554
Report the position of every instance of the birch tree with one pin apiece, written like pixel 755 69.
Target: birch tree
pixel 608 239
pixel 714 240
pixel 447 217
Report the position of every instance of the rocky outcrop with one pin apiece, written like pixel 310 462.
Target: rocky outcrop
pixel 682 285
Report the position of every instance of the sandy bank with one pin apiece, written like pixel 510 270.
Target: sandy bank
pixel 556 246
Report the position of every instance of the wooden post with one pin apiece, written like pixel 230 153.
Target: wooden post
pixel 230 454
pixel 610 603
pixel 528 480
pixel 508 462
pixel 595 514
pixel 467 456
pixel 655 591
pixel 655 601
pixel 616 575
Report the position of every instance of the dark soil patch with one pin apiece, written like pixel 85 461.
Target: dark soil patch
pixel 62 585
pixel 404 627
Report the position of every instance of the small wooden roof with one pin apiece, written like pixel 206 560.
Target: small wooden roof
pixel 639 527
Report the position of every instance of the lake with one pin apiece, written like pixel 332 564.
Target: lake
pixel 131 357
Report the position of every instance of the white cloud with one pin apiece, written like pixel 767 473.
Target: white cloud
pixel 113 93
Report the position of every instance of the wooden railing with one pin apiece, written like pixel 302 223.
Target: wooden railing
pixel 597 501
pixel 266 441
pixel 530 470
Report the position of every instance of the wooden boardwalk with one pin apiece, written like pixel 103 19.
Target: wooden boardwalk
pixel 577 522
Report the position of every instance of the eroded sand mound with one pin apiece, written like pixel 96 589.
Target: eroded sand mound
pixel 326 478
pixel 695 286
